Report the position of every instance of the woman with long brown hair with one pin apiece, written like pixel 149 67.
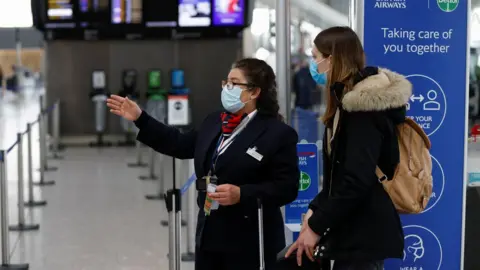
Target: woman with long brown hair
pixel 353 221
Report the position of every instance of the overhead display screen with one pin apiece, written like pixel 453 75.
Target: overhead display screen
pixel 194 13
pixel 228 12
pixel 160 13
pixel 59 10
pixel 93 11
pixel 127 11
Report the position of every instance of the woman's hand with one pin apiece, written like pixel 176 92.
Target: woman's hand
pixel 226 195
pixel 124 107
pixel 305 243
pixel 305 218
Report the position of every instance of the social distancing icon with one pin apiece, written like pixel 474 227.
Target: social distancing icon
pixel 428 104
pixel 431 104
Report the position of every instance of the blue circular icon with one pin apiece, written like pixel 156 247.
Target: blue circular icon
pixel 423 250
pixel 428 103
pixel 438 184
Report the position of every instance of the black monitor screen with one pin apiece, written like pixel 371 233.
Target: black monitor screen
pixel 154 79
pixel 126 11
pixel 194 13
pixel 160 13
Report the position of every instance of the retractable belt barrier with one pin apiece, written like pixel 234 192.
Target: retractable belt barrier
pixel 43 167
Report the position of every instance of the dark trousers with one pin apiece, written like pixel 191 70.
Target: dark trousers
pixel 358 265
pixel 205 260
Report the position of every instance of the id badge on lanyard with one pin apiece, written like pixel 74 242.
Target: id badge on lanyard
pixel 212 181
pixel 210 204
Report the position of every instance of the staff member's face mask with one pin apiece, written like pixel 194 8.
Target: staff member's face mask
pixel 231 98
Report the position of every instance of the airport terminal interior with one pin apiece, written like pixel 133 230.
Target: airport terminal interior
pixel 78 192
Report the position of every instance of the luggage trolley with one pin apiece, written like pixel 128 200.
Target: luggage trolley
pixel 129 85
pixel 99 95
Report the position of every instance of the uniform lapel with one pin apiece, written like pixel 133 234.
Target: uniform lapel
pixel 239 146
pixel 212 134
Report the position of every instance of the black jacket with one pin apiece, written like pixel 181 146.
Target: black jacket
pixel 274 179
pixel 353 214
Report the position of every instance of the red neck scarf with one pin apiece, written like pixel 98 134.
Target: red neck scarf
pixel 230 121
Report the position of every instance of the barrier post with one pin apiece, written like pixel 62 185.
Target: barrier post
pixel 174 207
pixel 165 223
pixel 31 201
pixel 43 128
pixel 139 163
pixel 151 168
pixel 189 255
pixel 43 157
pixel 56 131
pixel 161 183
pixel 4 216
pixel 21 226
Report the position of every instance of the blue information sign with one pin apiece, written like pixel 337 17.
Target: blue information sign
pixel 427 41
pixel 308 187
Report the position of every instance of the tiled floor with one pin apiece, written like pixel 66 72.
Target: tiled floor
pixel 97 217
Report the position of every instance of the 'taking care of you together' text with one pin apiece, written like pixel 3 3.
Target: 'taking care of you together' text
pixel 420 41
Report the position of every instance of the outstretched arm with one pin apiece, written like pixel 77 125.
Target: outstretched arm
pixel 165 139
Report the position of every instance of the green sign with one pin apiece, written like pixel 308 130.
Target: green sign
pixel 305 181
pixel 154 79
pixel 447 5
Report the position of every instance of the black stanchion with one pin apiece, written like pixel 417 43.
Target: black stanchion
pixel 5 241
pixel 139 163
pixel 151 168
pixel 55 148
pixel 43 156
pixel 174 208
pixel 31 200
pixel 165 223
pixel 161 181
pixel 21 226
pixel 43 128
pixel 189 255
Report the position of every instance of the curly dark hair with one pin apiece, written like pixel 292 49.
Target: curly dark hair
pixel 259 74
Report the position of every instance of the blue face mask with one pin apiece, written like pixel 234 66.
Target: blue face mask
pixel 231 99
pixel 319 78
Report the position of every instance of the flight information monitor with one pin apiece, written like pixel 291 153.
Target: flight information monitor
pixel 160 13
pixel 93 12
pixel 194 13
pixel 126 11
pixel 228 12
pixel 60 14
pixel 154 79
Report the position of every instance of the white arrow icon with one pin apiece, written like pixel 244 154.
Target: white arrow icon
pixel 419 98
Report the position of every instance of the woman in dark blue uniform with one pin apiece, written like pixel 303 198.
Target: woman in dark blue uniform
pixel 243 154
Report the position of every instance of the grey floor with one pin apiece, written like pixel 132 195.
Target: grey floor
pixel 96 217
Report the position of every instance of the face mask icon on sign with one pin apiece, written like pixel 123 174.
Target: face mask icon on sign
pixel 414 248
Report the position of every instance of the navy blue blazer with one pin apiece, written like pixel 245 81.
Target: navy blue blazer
pixel 274 179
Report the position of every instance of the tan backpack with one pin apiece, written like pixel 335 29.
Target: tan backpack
pixel 411 186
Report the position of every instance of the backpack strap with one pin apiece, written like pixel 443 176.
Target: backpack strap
pixel 380 175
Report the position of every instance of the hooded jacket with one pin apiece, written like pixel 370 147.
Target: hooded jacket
pixel 353 214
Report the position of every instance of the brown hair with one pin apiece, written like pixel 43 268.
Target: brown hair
pixel 347 59
pixel 259 74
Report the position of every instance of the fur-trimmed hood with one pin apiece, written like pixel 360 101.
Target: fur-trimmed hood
pixel 380 92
